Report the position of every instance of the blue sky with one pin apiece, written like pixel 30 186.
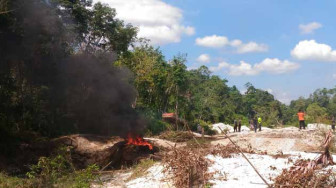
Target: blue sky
pixel 287 47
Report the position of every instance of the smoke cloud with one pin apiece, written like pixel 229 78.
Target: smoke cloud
pixel 84 92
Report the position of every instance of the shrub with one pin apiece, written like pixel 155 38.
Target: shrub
pixel 58 171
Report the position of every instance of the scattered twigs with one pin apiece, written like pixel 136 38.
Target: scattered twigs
pixel 302 174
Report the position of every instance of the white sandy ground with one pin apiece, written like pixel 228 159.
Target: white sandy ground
pixel 232 172
pixel 236 172
pixel 221 126
pixel 243 174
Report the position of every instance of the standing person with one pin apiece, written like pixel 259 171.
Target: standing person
pixel 235 123
pixel 333 122
pixel 301 115
pixel 251 124
pixel 255 124
pixel 239 125
pixel 199 128
pixel 259 123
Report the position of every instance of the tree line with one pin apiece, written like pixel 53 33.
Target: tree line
pixel 71 66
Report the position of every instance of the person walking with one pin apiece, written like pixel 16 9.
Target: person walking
pixel 301 115
pixel 333 122
pixel 259 123
pixel 239 125
pixel 235 125
pixel 255 124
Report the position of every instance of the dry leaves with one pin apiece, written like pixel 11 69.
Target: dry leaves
pixel 190 167
pixel 304 173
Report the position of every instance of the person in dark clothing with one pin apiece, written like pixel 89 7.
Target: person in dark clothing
pixel 251 124
pixel 333 122
pixel 235 123
pixel 239 125
pixel 255 124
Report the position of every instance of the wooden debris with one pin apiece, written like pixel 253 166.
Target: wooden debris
pixel 304 172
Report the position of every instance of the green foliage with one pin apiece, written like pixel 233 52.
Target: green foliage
pixel 58 171
pixel 50 169
pixel 205 125
pixel 9 182
pixel 84 178
pixel 154 123
pixel 208 130
pixel 316 113
pixel 320 106
pixel 55 171
pixel 97 26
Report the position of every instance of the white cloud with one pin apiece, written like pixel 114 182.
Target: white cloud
pixel 271 66
pixel 204 58
pixel 279 95
pixel 334 76
pixel 309 28
pixel 251 47
pixel 158 21
pixel 219 67
pixel 311 50
pixel 276 66
pixel 236 43
pixel 282 97
pixel 215 41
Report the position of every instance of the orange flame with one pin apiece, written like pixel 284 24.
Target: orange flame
pixel 137 140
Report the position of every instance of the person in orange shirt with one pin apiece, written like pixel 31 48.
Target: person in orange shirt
pixel 301 115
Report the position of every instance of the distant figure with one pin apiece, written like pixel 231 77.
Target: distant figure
pixel 333 122
pixel 301 115
pixel 259 123
pixel 255 124
pixel 239 125
pixel 251 124
pixel 199 128
pixel 235 123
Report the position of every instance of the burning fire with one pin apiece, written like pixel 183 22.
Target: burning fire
pixel 138 141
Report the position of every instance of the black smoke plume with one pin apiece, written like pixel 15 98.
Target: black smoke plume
pixel 74 91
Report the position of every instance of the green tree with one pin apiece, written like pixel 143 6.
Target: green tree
pixel 150 76
pixel 316 113
pixel 97 28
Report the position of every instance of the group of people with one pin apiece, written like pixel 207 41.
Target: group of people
pixel 255 124
pixel 237 125
pixel 302 123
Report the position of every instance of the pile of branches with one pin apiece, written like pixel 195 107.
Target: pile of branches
pixel 189 166
pixel 228 150
pixel 303 172
pixel 177 136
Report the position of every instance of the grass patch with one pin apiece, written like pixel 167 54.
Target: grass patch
pixel 9 182
pixel 141 168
